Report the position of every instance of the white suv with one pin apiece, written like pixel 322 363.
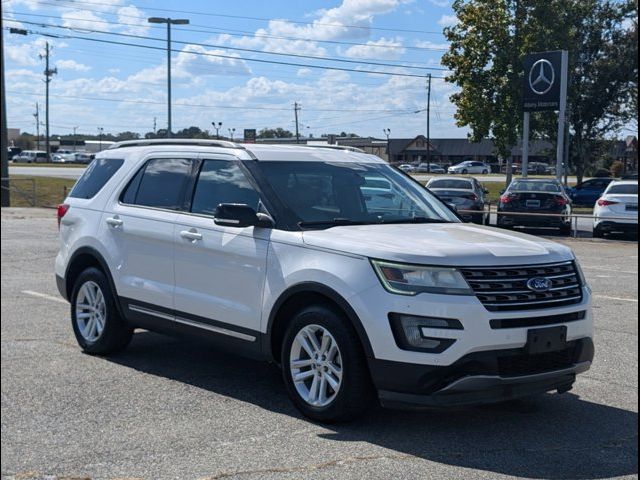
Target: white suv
pixel 343 270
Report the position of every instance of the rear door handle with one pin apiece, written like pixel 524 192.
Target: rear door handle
pixel 191 234
pixel 115 222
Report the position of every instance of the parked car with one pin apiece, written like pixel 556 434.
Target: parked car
pixel 84 157
pixel 63 156
pixel 617 210
pixel 407 168
pixel 275 252
pixel 467 194
pixel 534 168
pixel 589 191
pixel 430 168
pixel 465 168
pixel 535 196
pixel 30 156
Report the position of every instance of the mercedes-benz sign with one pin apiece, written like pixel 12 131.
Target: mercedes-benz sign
pixel 542 73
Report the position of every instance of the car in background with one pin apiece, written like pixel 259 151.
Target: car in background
pixel 63 156
pixel 31 156
pixel 534 168
pixel 405 167
pixel 430 168
pixel 617 210
pixel 465 168
pixel 535 196
pixel 466 194
pixel 84 157
pixel 589 191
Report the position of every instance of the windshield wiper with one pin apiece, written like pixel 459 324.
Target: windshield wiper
pixel 417 220
pixel 332 223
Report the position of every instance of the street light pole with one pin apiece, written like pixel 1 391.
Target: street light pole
pixel 74 138
pixel 217 127
pixel 100 130
pixel 169 22
pixel 387 132
pixel 232 132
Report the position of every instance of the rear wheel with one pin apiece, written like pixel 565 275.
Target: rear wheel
pixel 324 367
pixel 465 172
pixel 598 232
pixel 566 229
pixel 97 325
pixel 485 172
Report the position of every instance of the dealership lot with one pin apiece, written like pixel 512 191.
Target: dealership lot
pixel 168 408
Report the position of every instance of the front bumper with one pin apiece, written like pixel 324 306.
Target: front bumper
pixel 481 377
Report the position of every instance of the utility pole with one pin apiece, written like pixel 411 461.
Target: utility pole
pixel 154 125
pixel 74 138
pixel 100 131
pixel 5 199
pixel 296 108
pixel 37 116
pixel 169 22
pixel 48 73
pixel 429 122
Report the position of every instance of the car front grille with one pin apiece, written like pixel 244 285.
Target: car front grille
pixel 525 364
pixel 503 289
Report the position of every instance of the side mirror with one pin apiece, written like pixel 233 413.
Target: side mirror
pixel 241 216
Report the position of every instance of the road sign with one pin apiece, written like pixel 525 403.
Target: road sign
pixel 543 78
pixel 250 135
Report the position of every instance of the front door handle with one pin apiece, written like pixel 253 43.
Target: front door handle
pixel 191 234
pixel 115 222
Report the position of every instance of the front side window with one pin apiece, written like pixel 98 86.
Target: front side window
pixel 161 183
pixel 95 177
pixel 222 181
pixel 328 193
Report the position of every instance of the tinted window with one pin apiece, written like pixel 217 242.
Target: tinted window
pixel 95 177
pixel 222 181
pixel 161 184
pixel 462 184
pixel 624 190
pixel 524 186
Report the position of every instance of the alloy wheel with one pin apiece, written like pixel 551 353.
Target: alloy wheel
pixel 315 364
pixel 91 311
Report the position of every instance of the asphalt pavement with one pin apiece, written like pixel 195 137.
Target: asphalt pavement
pixel 174 409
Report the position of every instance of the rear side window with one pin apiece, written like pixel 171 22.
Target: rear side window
pixel 222 181
pixel 624 190
pixel 95 177
pixel 161 183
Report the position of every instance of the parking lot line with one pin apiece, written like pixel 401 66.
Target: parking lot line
pixel 45 296
pixel 606 297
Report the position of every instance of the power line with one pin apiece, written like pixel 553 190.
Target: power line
pixel 236 33
pixel 239 49
pixel 257 60
pixel 261 19
pixel 195 105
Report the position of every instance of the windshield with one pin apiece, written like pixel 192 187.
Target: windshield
pixel 623 190
pixel 326 194
pixel 457 184
pixel 524 186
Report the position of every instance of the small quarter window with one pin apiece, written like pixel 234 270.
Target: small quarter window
pixel 96 176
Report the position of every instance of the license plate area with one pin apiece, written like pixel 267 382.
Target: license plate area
pixel 533 204
pixel 544 340
pixel 632 208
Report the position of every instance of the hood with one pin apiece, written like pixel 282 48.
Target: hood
pixel 450 244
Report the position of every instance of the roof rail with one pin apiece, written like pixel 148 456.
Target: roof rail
pixel 175 141
pixel 333 147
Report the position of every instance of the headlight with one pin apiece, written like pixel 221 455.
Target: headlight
pixel 411 279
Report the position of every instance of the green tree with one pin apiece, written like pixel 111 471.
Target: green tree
pixel 275 133
pixel 486 54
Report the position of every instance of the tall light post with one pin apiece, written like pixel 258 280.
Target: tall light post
pixel 232 132
pixel 74 138
pixel 217 127
pixel 169 22
pixel 387 132
pixel 100 131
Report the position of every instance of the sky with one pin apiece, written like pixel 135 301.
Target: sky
pixel 220 68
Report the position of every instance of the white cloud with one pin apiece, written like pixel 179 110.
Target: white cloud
pixel 135 18
pixel 431 45
pixel 440 3
pixel 83 19
pixel 72 65
pixel 448 20
pixel 27 53
pixel 385 49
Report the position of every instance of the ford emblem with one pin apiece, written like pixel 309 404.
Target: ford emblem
pixel 540 284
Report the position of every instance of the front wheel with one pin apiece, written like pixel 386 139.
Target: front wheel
pixel 485 172
pixel 465 172
pixel 97 325
pixel 324 367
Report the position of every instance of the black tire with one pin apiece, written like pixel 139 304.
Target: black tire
pixel 116 333
pixel 465 172
pixel 356 393
pixel 598 232
pixel 485 172
pixel 566 230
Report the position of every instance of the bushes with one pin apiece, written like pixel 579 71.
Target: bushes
pixel 617 169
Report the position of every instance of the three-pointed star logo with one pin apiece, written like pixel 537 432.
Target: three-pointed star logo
pixel 542 77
